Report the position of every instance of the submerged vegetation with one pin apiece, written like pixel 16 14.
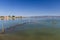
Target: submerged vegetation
pixel 39 30
pixel 33 34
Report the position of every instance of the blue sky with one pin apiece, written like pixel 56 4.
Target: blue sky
pixel 30 7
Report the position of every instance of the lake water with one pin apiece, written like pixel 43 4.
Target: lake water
pixel 39 22
pixel 34 29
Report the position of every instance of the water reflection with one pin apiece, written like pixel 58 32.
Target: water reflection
pixel 34 29
pixel 38 22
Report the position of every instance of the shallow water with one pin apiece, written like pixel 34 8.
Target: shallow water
pixel 40 22
pixel 34 29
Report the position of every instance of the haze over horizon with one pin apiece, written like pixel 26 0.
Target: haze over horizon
pixel 30 7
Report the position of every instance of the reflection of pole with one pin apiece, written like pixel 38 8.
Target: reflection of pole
pixel 3 28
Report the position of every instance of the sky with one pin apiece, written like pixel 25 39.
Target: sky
pixel 30 7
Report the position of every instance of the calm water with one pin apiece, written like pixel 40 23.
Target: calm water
pixel 34 29
pixel 38 22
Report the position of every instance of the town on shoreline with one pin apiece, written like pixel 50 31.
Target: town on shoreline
pixel 14 17
pixel 10 17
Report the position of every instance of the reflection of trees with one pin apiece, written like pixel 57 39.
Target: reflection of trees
pixel 13 17
pixel 2 17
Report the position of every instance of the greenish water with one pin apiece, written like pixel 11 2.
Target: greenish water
pixel 46 29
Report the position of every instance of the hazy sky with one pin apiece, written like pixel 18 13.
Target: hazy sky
pixel 30 7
